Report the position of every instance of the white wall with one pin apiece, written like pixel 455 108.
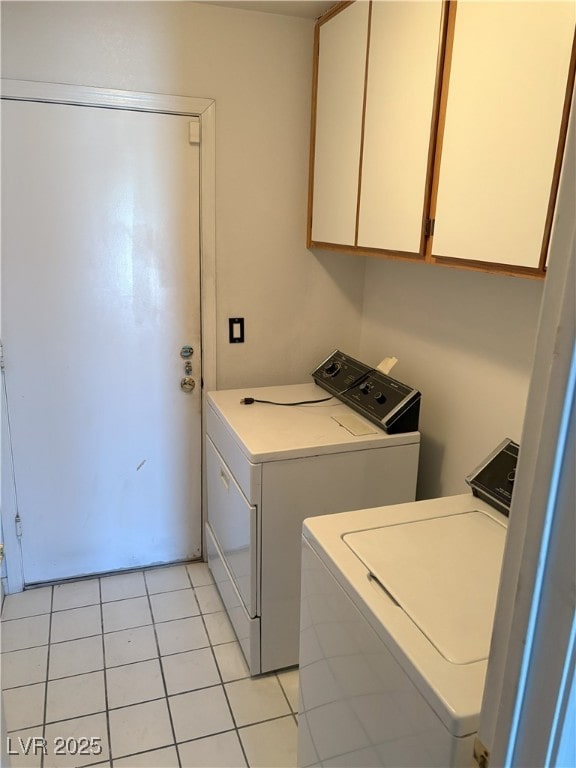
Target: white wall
pixel 258 68
pixel 466 341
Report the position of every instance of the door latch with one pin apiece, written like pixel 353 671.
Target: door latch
pixel 186 352
pixel 187 384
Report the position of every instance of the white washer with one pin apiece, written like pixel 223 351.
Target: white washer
pixel 267 468
pixel 396 620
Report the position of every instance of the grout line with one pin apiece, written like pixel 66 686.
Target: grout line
pixel 267 720
pixel 76 717
pixel 21 618
pixel 284 692
pixel 223 685
pixel 47 674
pixel 106 703
pixel 166 697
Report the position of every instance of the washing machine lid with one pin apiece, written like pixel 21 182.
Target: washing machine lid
pixel 444 573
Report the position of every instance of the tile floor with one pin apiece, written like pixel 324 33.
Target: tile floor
pixel 139 669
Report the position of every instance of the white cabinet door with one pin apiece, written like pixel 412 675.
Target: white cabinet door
pixel 339 103
pixel 506 94
pixel 404 43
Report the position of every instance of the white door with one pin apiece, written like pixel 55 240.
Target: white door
pixel 100 291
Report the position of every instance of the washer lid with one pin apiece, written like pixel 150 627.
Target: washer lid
pixel 444 573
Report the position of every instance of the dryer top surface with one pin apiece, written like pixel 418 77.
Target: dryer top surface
pixel 267 432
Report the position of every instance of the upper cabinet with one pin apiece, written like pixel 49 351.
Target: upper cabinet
pixel 439 128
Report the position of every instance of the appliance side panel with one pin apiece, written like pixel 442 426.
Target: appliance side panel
pixel 357 705
pixel 318 485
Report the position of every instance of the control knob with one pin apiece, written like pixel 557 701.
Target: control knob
pixel 380 397
pixel 332 369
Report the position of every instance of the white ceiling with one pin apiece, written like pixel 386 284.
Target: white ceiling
pixel 308 9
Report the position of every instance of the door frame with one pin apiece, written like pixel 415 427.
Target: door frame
pixel 204 111
pixel 525 710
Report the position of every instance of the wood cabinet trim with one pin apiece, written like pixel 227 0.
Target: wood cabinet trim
pixel 435 146
pixel 312 134
pixel 334 11
pixel 361 158
pixel 472 266
pixel 559 157
pixel 362 250
pixel 442 85
pixel 487 266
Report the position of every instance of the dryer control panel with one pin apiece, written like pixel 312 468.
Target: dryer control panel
pixel 393 406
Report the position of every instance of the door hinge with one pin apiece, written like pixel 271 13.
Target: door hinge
pixel 18 526
pixel 481 754
pixel 1 356
pixel 429 227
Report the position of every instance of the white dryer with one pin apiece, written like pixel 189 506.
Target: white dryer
pixel 267 468
pixel 396 621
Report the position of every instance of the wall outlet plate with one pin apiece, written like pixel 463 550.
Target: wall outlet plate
pixel 236 330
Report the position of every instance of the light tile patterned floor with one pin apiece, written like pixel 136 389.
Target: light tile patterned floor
pixel 147 666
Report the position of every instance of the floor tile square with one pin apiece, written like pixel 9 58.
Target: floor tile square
pixel 220 751
pixel 129 645
pixel 92 727
pixel 157 758
pixel 272 744
pixel 121 586
pixel 167 579
pixel 76 594
pixel 256 699
pixel 181 635
pixel 75 657
pixel 24 667
pixel 231 662
pixel 220 716
pixel 75 696
pixel 25 633
pixel 174 605
pixel 290 682
pixel 139 728
pixel 23 707
pixel 76 623
pixel 200 575
pixel 31 602
pixel 200 713
pixel 190 670
pixel 219 628
pixel 123 614
pixel 209 599
pixel 134 683
pixel 24 751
